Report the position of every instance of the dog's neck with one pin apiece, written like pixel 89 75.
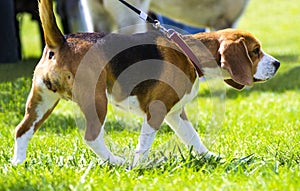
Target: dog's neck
pixel 206 48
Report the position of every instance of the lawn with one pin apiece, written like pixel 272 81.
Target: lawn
pixel 259 137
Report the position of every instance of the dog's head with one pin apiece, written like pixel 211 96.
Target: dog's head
pixel 242 57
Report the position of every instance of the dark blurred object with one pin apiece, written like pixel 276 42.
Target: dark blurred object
pixel 9 46
pixel 31 7
pixel 68 10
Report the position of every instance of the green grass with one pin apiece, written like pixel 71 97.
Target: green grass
pixel 259 137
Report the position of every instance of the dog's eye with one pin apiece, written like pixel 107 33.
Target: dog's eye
pixel 51 54
pixel 256 51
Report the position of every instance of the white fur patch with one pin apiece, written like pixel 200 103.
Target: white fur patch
pixel 188 135
pixel 265 68
pixel 186 132
pixel 99 147
pixel 21 144
pixel 145 141
pixel 48 100
pixel 130 104
pixel 187 97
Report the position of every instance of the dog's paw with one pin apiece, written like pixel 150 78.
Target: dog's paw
pixel 213 156
pixel 116 160
pixel 17 160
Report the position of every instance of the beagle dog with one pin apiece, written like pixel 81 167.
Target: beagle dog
pixel 142 73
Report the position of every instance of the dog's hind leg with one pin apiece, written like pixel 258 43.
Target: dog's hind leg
pixel 40 103
pixel 186 132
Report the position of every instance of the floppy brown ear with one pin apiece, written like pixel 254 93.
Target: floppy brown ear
pixel 234 84
pixel 235 59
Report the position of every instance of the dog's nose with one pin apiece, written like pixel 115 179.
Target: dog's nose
pixel 276 64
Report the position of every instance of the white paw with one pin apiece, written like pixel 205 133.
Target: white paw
pixel 139 157
pixel 117 160
pixel 214 156
pixel 17 160
pixel 209 154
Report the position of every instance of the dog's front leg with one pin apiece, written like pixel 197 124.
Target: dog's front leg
pixel 186 132
pixel 40 103
pixel 145 141
pixel 95 118
pixel 154 117
pixel 98 146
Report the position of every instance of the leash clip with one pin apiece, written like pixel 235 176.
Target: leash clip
pixel 167 32
pixel 158 26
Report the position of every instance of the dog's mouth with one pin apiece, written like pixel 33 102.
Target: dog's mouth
pixel 258 80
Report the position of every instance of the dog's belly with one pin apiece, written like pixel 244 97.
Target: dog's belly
pixel 187 97
pixel 130 104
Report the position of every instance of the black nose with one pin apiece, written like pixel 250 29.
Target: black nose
pixel 276 64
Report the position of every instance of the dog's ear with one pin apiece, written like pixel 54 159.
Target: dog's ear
pixel 235 59
pixel 234 84
pixel 53 36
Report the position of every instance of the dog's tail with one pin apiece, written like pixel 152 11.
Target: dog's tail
pixel 53 36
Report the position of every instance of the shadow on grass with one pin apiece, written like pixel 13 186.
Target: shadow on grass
pixel 176 161
pixel 63 124
pixel 247 165
pixel 59 124
pixel 12 71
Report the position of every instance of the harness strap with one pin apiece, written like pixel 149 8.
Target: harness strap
pixel 186 49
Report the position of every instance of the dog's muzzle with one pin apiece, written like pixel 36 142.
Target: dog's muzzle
pixel 266 68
